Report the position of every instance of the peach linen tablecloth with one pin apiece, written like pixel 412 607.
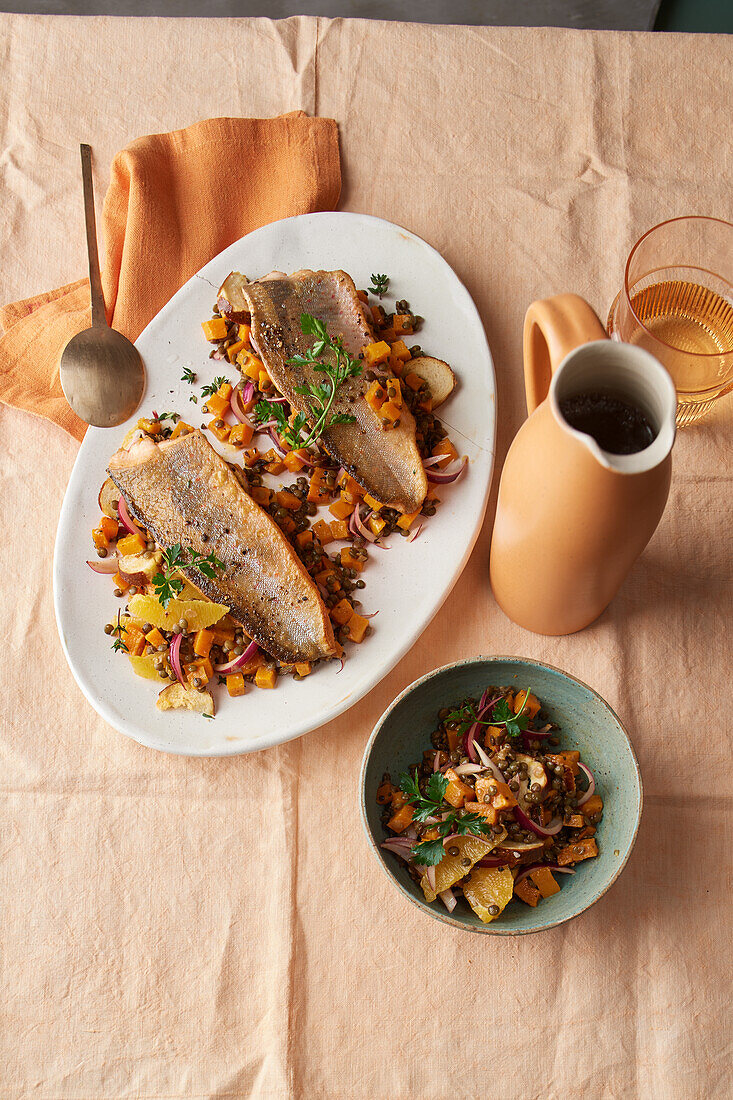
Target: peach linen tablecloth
pixel 203 928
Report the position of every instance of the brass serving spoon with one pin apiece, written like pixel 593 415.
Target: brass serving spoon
pixel 102 374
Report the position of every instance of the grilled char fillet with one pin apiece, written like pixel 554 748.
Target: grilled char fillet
pixel 183 492
pixel 385 463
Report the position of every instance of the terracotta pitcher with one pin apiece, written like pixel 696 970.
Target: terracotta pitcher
pixel 571 518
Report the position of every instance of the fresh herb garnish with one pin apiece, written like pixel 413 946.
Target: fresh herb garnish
pixel 210 390
pixel 502 715
pixel 320 396
pixel 167 585
pixel 188 375
pixel 118 645
pixel 175 417
pixel 379 286
pixel 194 398
pixel 430 804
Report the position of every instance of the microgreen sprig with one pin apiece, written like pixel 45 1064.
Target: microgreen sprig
pixel 380 285
pixel 168 585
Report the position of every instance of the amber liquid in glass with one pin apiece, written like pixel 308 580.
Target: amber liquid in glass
pixel 687 316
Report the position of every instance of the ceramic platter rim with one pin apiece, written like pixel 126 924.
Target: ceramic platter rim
pixel 83 601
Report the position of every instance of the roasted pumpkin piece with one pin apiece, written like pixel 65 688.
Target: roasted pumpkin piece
pixel 578 851
pixel 483 809
pixel 340 529
pixel 593 805
pixel 322 530
pixel 403 324
pixel 401 351
pixel 545 882
pixel 488 890
pixel 533 704
pixel 448 452
pixel 342 612
pixel 294 462
pixel 406 521
pixel 401 819
pixel 215 329
pixel 375 396
pixel 181 428
pixel 318 490
pixel 451 869
pixel 266 676
pixel 376 353
pixel 241 435
pixel 357 627
pixel 131 544
pixel 527 892
pixel 348 561
pixel 457 791
pixel 341 508
pixel 235 684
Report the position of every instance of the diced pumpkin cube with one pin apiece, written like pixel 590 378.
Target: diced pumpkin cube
pixel 241 343
pixel 303 668
pixel 287 524
pixel 201 670
pixel 215 329
pixel 406 521
pixel 264 381
pixel 202 642
pixel 389 334
pixel 533 704
pixel 362 296
pixel 568 758
pixel 394 392
pixel 494 736
pixel 402 819
pixel 250 365
pixel 266 676
pixel 426 404
pixel 250 456
pixel 341 508
pixel 484 810
pixel 445 448
pixel 373 504
pixel 414 381
pixel 527 892
pixel 376 353
pixel 375 396
pixel 573 821
pixel 318 491
pixel 384 792
pixel 131 544
pixel 357 627
pixel 288 500
pixel 457 791
pixel 150 427
pixel 235 684
pixel 376 524
pixel 402 324
pixel 261 495
pixel 348 561
pixel 304 538
pixel 340 529
pixel 134 639
pixel 241 435
pixel 221 433
pixel 322 531
pixel 108 527
pixel 181 428
pixel 390 412
pixel 119 582
pixel 154 637
pixel 543 879
pixel 294 462
pixel 594 805
pixel 275 466
pixel 455 738
pixel 99 539
pixel 577 851
pixel 342 612
pixel 217 403
pixel 401 351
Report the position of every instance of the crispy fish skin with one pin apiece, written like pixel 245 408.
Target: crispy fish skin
pixel 183 492
pixel 385 463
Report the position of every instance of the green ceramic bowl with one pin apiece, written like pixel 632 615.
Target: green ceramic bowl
pixel 587 723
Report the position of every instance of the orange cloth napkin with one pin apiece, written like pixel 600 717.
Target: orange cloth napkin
pixel 174 201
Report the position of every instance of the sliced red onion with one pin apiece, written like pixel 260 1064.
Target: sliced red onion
pixel 358 523
pixel 520 846
pixel 470 769
pixel 235 406
pixel 276 442
pixel 175 658
pixel 539 830
pixel 125 518
pixel 447 479
pixel 104 565
pixel 491 861
pixel 451 836
pixel 232 666
pixel 404 851
pixel 430 872
pixel 591 784
pixel 436 760
pixel 534 735
pixel 449 899
pixel 414 534
pixel 266 426
pixel 495 771
pixel 433 461
pixel 482 755
pixel 473 732
pixel 535 866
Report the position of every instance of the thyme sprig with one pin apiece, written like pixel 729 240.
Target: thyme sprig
pixel 118 644
pixel 380 285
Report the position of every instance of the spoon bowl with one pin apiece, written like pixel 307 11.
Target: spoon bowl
pixel 101 372
pixel 102 376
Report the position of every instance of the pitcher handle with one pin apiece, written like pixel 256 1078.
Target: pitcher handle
pixel 552 328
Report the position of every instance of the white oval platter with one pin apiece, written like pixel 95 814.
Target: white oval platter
pixel 406 584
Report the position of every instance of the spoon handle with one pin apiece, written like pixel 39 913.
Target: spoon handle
pixel 99 317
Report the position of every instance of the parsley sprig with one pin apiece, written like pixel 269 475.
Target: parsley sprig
pixel 430 804
pixel 502 715
pixel 320 395
pixel 118 644
pixel 168 584
pixel 380 284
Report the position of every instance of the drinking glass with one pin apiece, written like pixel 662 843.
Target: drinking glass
pixel 677 302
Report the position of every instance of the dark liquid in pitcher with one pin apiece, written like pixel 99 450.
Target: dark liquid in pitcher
pixel 616 426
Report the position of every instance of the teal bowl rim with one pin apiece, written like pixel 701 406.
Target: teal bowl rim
pixel 491 929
